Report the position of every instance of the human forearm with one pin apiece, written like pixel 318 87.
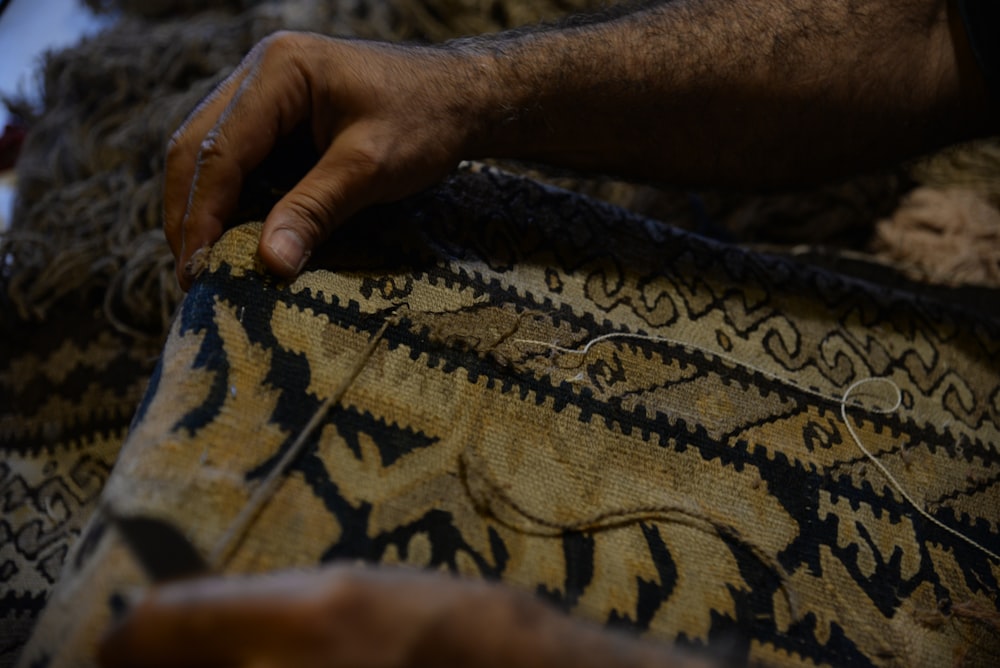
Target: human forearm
pixel 694 92
pixel 760 92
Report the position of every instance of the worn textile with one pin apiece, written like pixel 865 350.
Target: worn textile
pixel 86 258
pixel 941 223
pixel 68 390
pixel 689 490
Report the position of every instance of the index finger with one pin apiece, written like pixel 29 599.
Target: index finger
pixel 183 147
pixel 272 98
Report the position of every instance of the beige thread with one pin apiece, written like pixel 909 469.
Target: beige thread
pixel 898 486
pixel 843 400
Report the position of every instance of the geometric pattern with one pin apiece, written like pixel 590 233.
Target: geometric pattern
pixel 68 389
pixel 688 478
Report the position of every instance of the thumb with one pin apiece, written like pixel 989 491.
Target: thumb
pixel 328 194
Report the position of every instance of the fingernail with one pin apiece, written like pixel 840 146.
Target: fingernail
pixel 290 248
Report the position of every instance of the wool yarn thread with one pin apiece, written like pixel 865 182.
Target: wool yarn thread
pixel 844 400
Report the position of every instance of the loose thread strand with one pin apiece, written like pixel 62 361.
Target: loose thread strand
pixel 898 486
pixel 236 532
pixel 844 400
pixel 611 519
pixel 690 346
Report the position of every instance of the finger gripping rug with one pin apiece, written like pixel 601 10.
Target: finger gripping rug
pixel 647 429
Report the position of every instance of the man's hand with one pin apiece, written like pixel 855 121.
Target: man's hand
pixel 353 617
pixel 384 126
pixel 758 93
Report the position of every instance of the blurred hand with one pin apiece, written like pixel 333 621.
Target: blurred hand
pixel 386 120
pixel 361 617
pixel 339 616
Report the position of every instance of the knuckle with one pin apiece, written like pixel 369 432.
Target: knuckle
pixel 211 147
pixel 367 161
pixel 280 43
pixel 367 158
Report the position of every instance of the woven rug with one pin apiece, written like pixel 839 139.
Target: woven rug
pixel 87 281
pixel 68 390
pixel 644 427
pixel 86 268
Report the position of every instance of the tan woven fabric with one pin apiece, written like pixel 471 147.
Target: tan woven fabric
pixel 68 389
pixel 689 489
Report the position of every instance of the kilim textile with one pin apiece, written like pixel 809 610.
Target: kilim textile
pixel 641 426
pixel 68 390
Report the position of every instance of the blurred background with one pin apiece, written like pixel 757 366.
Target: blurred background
pixel 29 28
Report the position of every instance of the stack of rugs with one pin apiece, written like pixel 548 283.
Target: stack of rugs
pixel 707 441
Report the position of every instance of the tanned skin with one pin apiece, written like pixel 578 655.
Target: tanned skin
pixel 365 618
pixel 695 92
pixel 755 93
